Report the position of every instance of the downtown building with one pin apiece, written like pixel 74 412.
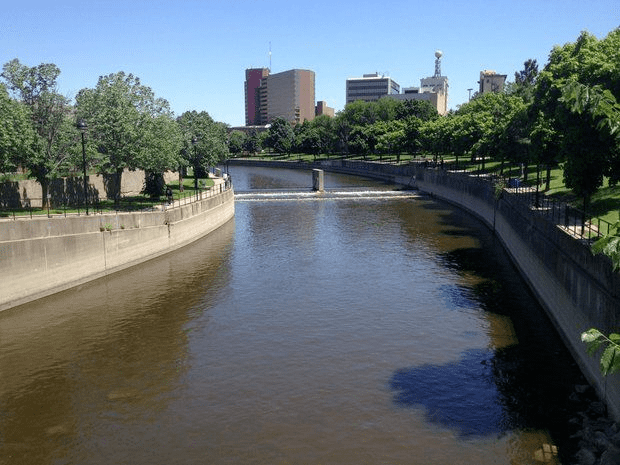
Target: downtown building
pixel 433 89
pixel 370 87
pixel 289 95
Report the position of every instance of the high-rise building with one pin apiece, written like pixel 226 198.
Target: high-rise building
pixel 490 81
pixel 253 79
pixel 370 87
pixel 289 95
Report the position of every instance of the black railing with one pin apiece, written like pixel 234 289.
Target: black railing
pixel 32 207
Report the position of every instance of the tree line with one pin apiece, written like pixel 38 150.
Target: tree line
pixel 125 127
pixel 566 114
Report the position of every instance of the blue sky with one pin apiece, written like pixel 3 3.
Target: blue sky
pixel 194 53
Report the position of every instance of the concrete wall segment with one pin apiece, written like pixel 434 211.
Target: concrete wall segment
pixel 45 255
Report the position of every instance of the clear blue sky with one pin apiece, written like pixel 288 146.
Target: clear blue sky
pixel 194 53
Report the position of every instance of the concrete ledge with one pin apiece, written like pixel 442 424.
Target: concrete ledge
pixel 41 256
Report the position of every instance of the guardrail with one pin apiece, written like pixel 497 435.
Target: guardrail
pixel 105 205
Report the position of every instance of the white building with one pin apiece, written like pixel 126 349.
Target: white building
pixel 432 89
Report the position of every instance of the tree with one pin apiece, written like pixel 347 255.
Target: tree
pixel 130 127
pixel 236 142
pixel 253 142
pixel 16 133
pixel 421 109
pixel 50 116
pixel 588 150
pixel 280 136
pixel 204 142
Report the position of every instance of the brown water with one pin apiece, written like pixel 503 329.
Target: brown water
pixel 347 328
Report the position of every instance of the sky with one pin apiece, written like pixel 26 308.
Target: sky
pixel 194 53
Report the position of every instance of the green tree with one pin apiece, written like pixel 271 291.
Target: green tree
pixel 236 142
pixel 587 151
pixel 50 115
pixel 280 136
pixel 204 142
pixel 131 128
pixel 16 133
pixel 253 142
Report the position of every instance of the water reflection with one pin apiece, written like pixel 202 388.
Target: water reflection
pixel 110 352
pixel 302 332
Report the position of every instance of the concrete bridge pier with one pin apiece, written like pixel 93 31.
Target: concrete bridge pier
pixel 318 183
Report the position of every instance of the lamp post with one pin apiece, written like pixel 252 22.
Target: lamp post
pixel 82 127
pixel 194 142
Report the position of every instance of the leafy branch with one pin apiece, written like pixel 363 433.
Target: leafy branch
pixel 610 358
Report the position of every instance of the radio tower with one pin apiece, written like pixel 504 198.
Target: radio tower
pixel 438 55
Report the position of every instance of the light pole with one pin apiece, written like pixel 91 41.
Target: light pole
pixel 194 142
pixel 82 127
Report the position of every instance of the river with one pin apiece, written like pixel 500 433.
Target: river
pixel 364 325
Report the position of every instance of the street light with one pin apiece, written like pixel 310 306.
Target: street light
pixel 82 127
pixel 194 142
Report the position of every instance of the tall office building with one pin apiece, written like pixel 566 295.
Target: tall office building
pixel 370 87
pixel 289 95
pixel 253 79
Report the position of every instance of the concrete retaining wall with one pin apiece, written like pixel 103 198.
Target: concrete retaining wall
pixel 41 256
pixel 577 289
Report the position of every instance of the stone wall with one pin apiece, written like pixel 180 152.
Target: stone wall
pixel 41 256
pixel 20 193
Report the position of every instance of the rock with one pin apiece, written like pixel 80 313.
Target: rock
pixel 615 439
pixel 585 457
pixel 582 388
pixel 598 408
pixel 601 441
pixel 611 456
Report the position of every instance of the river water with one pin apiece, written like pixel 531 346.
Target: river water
pixel 365 325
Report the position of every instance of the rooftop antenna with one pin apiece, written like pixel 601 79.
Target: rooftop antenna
pixel 438 55
pixel 269 56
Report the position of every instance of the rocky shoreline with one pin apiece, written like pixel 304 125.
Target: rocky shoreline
pixel 596 435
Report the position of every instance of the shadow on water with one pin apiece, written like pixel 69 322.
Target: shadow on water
pixel 520 381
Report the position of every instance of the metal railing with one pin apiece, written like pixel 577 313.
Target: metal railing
pixel 573 220
pixel 59 207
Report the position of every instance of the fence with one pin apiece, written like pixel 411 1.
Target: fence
pixel 571 219
pixel 66 207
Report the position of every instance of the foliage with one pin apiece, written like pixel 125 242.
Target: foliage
pixel 129 126
pixel 204 142
pixel 610 358
pixel 280 136
pixel 236 142
pixel 610 245
pixel 16 133
pixel 53 149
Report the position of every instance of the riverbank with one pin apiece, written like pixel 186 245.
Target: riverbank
pixel 42 256
pixel 577 289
